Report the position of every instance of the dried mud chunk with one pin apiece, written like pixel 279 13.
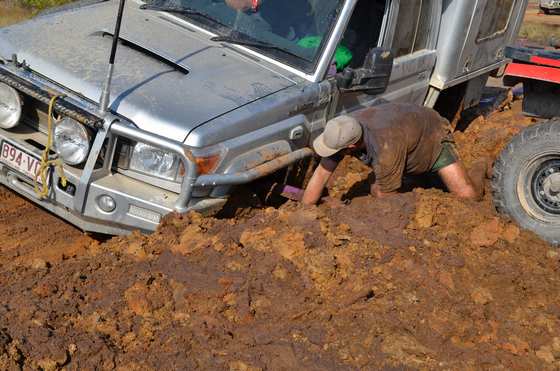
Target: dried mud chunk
pixel 553 254
pixel 482 296
pixel 137 249
pixel 487 234
pixel 242 366
pixel 516 346
pixel 455 261
pixel 10 356
pixel 424 216
pixel 405 349
pixel 280 272
pixel 45 289
pixel 281 357
pixel 556 346
pixel 194 238
pixel 259 240
pixel 234 266
pixel 305 216
pixel 291 245
pixel 136 298
pixel 545 353
pixel 39 264
pixel 446 279
pixel 321 268
pixel 52 364
pixel 511 233
pixel 143 299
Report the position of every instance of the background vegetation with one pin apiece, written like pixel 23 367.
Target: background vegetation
pixel 42 4
pixel 542 34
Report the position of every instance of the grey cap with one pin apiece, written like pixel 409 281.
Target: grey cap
pixel 340 132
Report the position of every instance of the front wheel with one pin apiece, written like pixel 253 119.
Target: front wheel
pixel 526 181
pixel 545 10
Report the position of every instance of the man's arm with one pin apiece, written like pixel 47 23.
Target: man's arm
pixel 377 190
pixel 244 5
pixel 319 181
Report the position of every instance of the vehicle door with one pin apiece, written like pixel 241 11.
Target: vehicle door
pixel 412 37
pixel 495 25
pixel 410 30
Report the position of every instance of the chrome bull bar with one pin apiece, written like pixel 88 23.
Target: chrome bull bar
pixel 30 84
pixel 192 178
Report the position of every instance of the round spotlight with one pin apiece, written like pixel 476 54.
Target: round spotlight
pixel 106 203
pixel 72 141
pixel 10 106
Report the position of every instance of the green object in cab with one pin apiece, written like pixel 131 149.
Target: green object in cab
pixel 342 57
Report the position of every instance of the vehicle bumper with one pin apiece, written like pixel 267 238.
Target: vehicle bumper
pixel 120 222
pixel 138 205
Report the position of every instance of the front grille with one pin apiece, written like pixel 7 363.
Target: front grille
pixel 35 114
pixel 61 106
pixel 34 120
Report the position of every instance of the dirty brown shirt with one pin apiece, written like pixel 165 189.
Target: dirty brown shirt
pixel 401 138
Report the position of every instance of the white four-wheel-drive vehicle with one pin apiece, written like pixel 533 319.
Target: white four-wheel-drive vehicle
pixel 549 6
pixel 205 97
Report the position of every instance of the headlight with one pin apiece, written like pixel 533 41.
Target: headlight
pixel 154 161
pixel 71 141
pixel 10 106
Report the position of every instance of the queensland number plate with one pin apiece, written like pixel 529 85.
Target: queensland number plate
pixel 20 160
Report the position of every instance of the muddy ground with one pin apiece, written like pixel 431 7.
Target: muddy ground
pixel 417 281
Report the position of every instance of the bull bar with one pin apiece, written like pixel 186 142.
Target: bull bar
pixel 192 178
pixel 112 127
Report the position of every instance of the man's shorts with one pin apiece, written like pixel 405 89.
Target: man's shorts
pixel 448 155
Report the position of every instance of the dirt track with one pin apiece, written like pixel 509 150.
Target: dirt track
pixel 418 281
pixel 535 15
pixel 10 14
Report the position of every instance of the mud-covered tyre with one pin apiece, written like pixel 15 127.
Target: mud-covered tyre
pixel 526 180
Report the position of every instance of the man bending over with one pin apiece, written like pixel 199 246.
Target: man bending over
pixel 398 139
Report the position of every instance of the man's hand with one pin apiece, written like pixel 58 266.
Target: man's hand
pixel 319 181
pixel 242 5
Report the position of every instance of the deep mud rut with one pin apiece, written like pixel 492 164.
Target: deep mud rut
pixel 417 281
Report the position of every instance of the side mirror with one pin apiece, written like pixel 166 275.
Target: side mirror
pixel 373 77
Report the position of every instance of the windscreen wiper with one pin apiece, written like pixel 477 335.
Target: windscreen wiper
pixel 256 44
pixel 183 11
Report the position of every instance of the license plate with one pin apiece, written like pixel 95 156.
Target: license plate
pixel 20 160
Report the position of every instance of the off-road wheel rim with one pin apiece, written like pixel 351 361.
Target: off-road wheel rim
pixel 537 187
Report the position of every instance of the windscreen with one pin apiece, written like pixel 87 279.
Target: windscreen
pixel 297 29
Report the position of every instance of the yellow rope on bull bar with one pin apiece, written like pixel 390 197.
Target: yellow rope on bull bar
pixel 42 190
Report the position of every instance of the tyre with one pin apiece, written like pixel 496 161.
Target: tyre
pixel 526 180
pixel 545 10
